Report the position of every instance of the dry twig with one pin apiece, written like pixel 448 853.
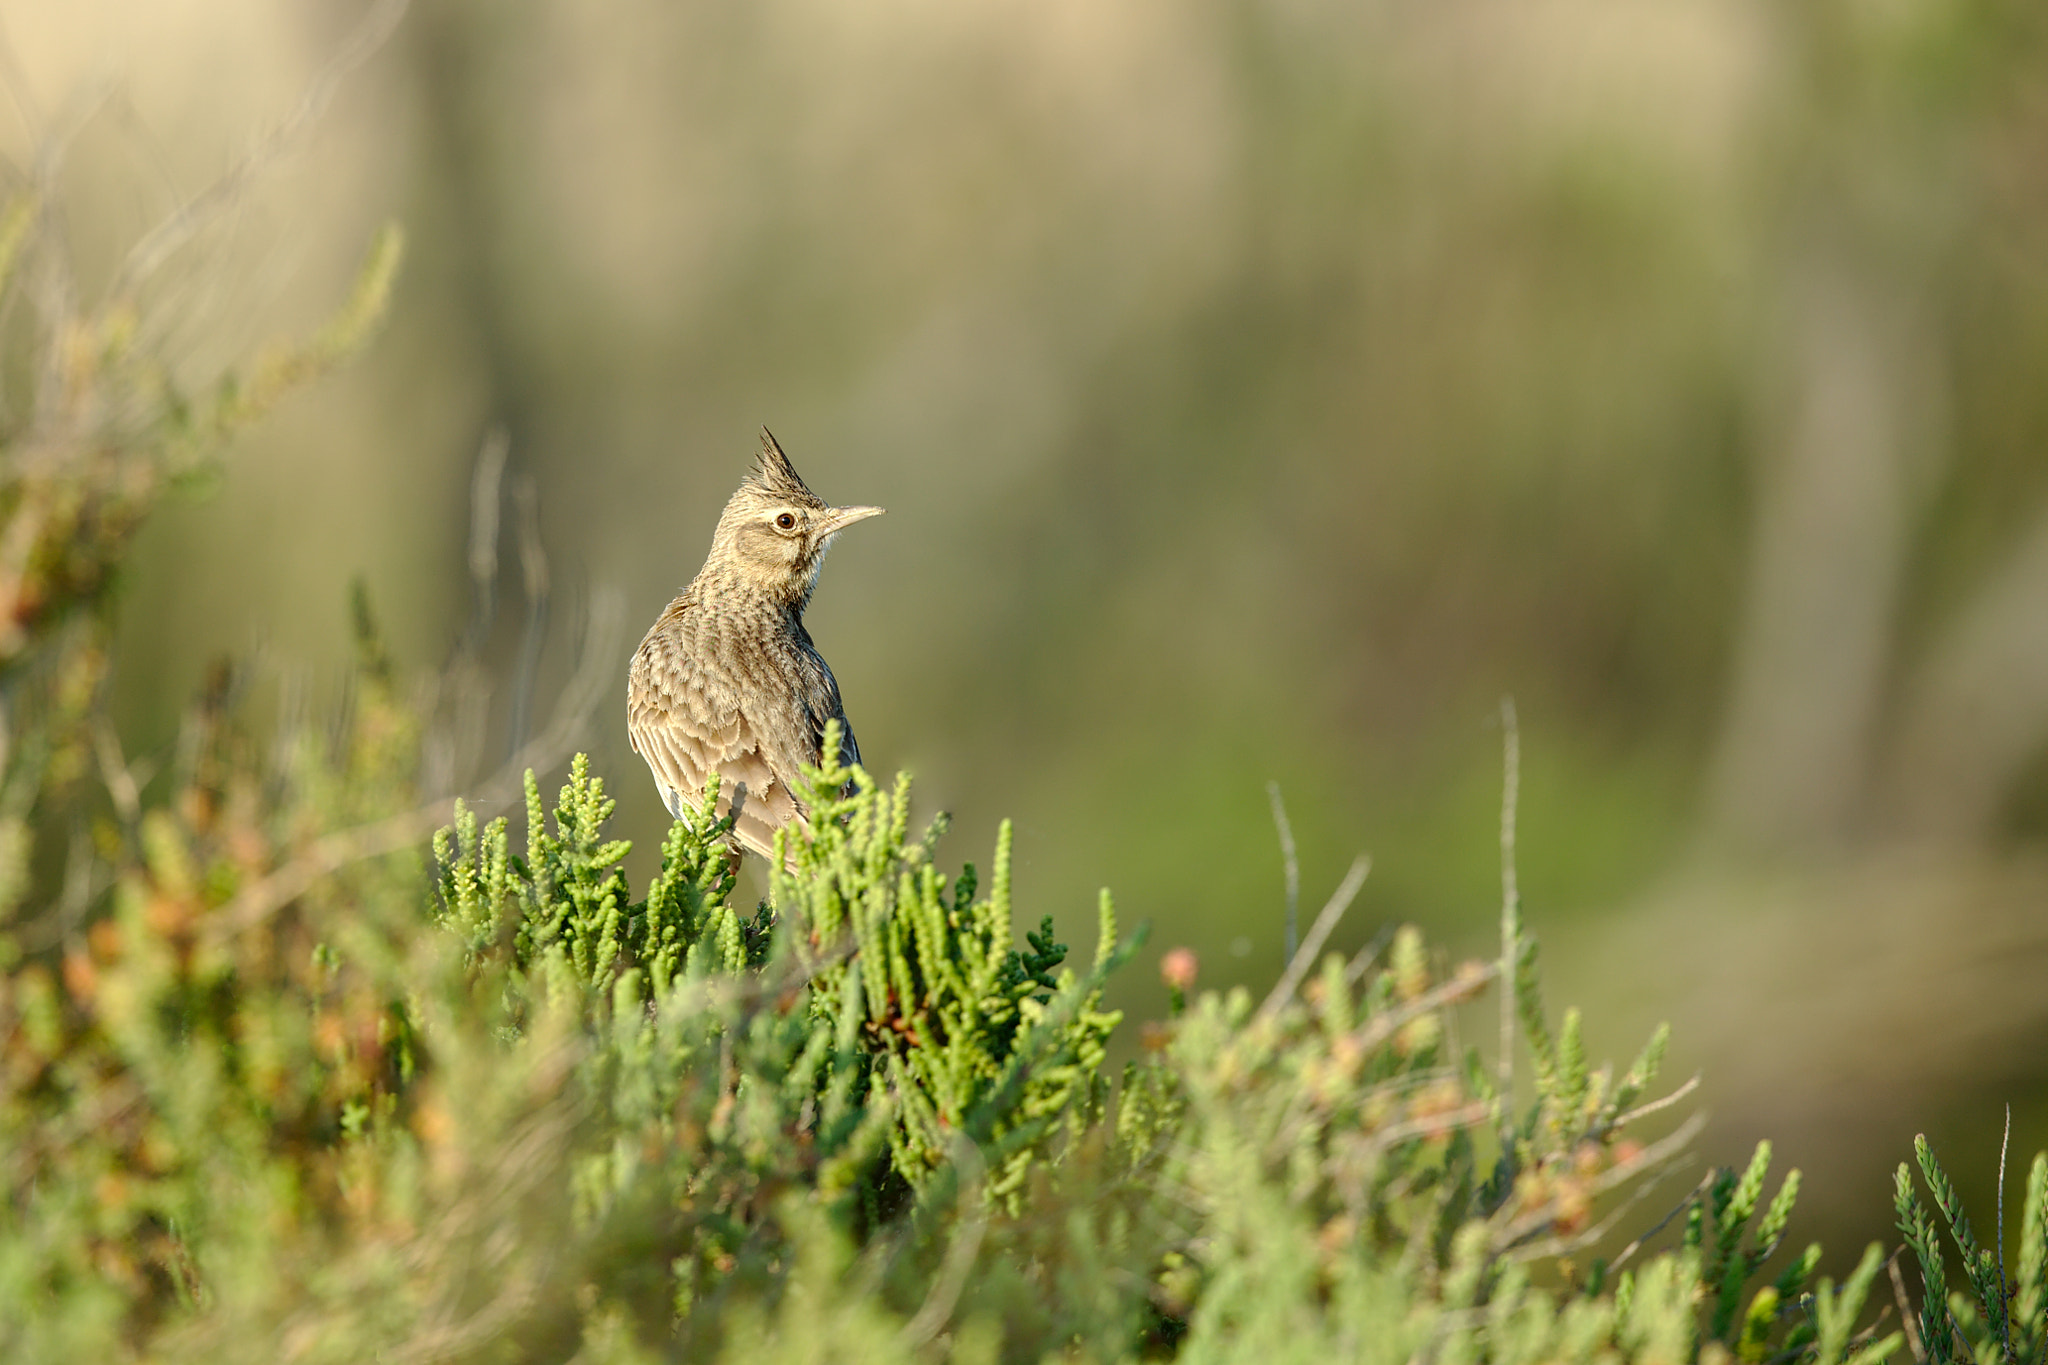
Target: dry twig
pixel 1339 902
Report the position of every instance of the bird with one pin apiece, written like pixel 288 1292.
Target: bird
pixel 727 680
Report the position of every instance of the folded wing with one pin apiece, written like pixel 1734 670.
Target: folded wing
pixel 686 732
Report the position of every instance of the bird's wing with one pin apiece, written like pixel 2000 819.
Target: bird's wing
pixel 785 739
pixel 817 692
pixel 849 749
pixel 685 727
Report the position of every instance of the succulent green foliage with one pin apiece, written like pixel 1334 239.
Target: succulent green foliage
pixel 970 1034
pixel 2030 1285
pixel 1995 1319
pixel 1735 1245
pixel 1835 1313
pixel 1344 1206
pixel 1575 1108
pixel 567 897
pixel 686 923
pixel 863 1121
pixel 909 1027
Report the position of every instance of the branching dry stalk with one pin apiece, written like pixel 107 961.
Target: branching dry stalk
pixel 1467 982
pixel 1290 867
pixel 1340 901
pixel 160 243
pixel 1906 1315
pixel 1645 1110
pixel 579 700
pixel 1511 1232
pixel 1510 903
pixel 1599 1232
pixel 1436 1125
pixel 1355 970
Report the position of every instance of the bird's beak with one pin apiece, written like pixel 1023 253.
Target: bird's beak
pixel 837 519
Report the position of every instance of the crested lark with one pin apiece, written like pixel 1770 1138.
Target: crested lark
pixel 728 678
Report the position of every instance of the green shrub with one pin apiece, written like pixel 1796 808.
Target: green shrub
pixel 1996 1319
pixel 276 1086
pixel 510 1111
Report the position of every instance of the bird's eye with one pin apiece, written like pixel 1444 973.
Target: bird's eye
pixel 785 521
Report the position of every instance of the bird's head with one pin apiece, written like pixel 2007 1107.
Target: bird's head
pixel 773 534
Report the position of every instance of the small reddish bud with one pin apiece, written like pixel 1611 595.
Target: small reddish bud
pixel 1178 968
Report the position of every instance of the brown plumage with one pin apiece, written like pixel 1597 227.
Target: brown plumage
pixel 728 677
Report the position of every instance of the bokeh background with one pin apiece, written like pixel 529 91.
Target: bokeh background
pixel 1260 390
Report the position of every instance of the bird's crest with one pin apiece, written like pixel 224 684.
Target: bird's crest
pixel 776 476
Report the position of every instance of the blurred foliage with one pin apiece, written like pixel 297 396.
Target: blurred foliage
pixel 1261 388
pixel 857 1125
pixel 271 1090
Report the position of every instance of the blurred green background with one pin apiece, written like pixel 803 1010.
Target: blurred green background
pixel 1260 390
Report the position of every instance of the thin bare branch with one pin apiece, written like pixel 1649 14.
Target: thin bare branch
pixel 114 771
pixel 1290 868
pixel 1369 954
pixel 1464 1116
pixel 1339 902
pixel 164 240
pixel 1645 1110
pixel 1462 986
pixel 1913 1341
pixel 485 494
pixel 328 855
pixel 1510 900
pixel 1621 1258
pixel 1513 1232
pixel 2004 1313
pixel 534 577
pixel 1593 1236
